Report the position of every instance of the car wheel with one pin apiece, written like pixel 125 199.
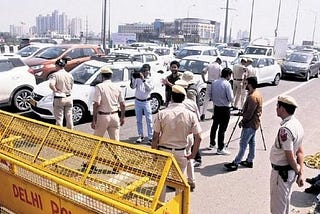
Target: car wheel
pixel 21 99
pixel 317 74
pixel 307 77
pixel 202 95
pixel 276 80
pixel 155 103
pixel 78 113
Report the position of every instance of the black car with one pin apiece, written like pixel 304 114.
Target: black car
pixel 301 64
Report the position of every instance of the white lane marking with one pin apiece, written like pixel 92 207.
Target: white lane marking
pixel 268 102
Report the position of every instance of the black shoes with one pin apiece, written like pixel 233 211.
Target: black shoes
pixel 197 164
pixel 246 164
pixel 313 190
pixel 231 166
pixel 202 117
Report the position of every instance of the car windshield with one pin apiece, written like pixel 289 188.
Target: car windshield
pixel 51 53
pixel 27 51
pixel 228 52
pixel 82 73
pixel 255 50
pixel 301 58
pixel 184 53
pixel 194 66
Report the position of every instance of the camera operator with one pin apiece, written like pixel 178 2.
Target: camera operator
pixel 143 84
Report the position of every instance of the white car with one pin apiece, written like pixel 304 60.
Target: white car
pixel 33 49
pixel 17 83
pixel 86 76
pixel 196 64
pixel 266 68
pixel 157 63
pixel 198 50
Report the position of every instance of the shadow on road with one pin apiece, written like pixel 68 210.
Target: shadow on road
pixel 302 199
pixel 212 170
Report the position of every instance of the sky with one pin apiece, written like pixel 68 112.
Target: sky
pixel 264 22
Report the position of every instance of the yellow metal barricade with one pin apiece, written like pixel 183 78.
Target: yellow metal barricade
pixel 49 169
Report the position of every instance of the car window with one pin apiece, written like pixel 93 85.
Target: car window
pixel 82 73
pixel 269 52
pixel 117 75
pixel 75 53
pixel 88 52
pixel 138 58
pixel 52 53
pixel 213 53
pixel 206 52
pixel 263 62
pixel 5 65
pixel 150 58
pixel 194 66
pixel 270 61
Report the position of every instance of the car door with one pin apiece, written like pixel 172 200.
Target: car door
pixel 154 62
pixel 76 57
pixel 262 70
pixel 7 76
pixel 315 64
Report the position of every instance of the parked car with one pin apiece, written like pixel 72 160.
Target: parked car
pixel 196 64
pixel 266 68
pixel 198 50
pixel 33 49
pixel 27 41
pixel 17 83
pixel 43 64
pixel 156 62
pixel 86 76
pixel 301 64
pixel 230 54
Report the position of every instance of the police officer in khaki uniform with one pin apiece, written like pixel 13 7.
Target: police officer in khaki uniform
pixel 107 99
pixel 286 156
pixel 172 127
pixel 61 83
pixel 250 70
pixel 239 91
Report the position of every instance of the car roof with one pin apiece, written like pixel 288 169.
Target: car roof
pixel 200 58
pixel 199 47
pixel 255 56
pixel 120 64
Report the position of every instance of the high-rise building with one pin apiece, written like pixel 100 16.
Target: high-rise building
pixel 76 27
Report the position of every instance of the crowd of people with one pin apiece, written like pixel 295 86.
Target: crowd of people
pixel 182 113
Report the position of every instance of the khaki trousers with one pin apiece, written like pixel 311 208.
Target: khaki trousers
pixel 62 107
pixel 109 123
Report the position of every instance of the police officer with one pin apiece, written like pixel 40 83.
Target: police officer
pixel 107 98
pixel 172 127
pixel 214 71
pixel 250 70
pixel 61 83
pixel 239 91
pixel 286 156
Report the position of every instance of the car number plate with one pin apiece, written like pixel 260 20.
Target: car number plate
pixel 33 102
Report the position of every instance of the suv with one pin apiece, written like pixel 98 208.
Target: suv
pixel 43 64
pixel 198 50
pixel 86 76
pixel 16 83
pixel 301 64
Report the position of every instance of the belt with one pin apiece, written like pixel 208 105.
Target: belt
pixel 107 113
pixel 280 168
pixel 67 95
pixel 238 79
pixel 144 99
pixel 173 149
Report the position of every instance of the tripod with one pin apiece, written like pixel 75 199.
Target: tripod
pixel 234 128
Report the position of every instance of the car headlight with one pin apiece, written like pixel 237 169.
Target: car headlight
pixel 37 67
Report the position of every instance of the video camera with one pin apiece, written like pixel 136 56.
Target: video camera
pixel 136 73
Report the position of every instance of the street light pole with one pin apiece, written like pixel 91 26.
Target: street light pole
pixel 314 27
pixel 104 14
pixel 295 23
pixel 276 30
pixel 109 25
pixel 251 19
pixel 226 23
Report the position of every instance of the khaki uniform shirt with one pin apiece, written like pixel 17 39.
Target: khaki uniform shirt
pixel 238 72
pixel 289 137
pixel 63 81
pixel 251 72
pixel 108 96
pixel 213 70
pixel 174 124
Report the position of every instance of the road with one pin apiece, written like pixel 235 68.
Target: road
pixel 247 190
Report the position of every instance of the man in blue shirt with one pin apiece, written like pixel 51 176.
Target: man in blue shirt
pixel 222 97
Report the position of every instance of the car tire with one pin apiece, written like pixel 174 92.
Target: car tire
pixel 202 95
pixel 317 74
pixel 155 103
pixel 20 100
pixel 307 77
pixel 276 80
pixel 79 113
